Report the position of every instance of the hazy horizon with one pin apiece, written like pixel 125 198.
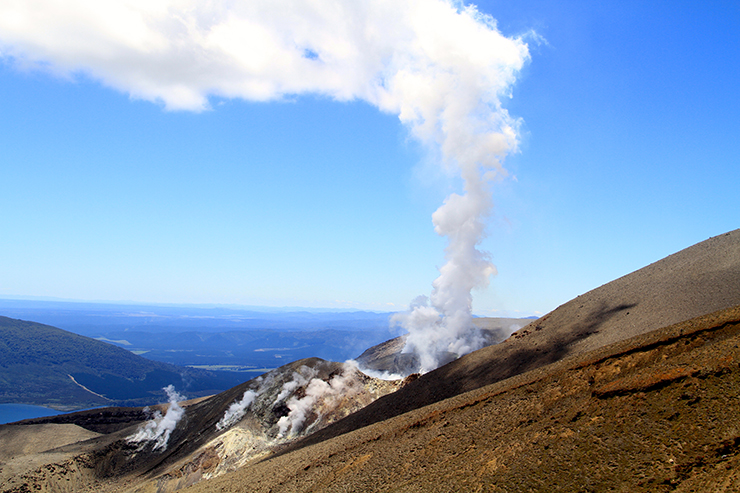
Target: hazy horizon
pixel 309 178
pixel 267 309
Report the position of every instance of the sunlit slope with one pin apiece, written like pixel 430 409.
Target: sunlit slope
pixel 44 365
pixel 695 281
pixel 622 385
pixel 657 412
pixel 210 437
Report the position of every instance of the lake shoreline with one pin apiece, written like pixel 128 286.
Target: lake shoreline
pixel 10 413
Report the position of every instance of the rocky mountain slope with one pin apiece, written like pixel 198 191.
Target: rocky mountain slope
pixel 180 443
pixel 630 387
pixel 657 412
pixel 695 281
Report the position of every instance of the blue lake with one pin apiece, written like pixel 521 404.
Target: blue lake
pixel 16 412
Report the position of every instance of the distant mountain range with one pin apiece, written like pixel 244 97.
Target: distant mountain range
pixel 632 386
pixel 92 318
pixel 213 337
pixel 44 365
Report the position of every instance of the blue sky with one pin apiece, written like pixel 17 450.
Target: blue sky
pixel 628 152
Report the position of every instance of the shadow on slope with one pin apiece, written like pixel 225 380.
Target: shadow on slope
pixel 204 437
pixel 695 281
pixel 656 412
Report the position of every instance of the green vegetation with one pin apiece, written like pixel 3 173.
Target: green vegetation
pixel 44 365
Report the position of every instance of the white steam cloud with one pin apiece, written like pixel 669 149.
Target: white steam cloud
pixel 380 375
pixel 159 428
pixel 300 379
pixel 236 410
pixel 442 67
pixel 318 395
pixel 302 399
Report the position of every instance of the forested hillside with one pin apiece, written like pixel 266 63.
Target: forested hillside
pixel 44 365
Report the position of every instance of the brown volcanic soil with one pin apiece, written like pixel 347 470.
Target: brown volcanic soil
pixel 16 440
pixel 597 395
pixel 695 281
pixel 87 461
pixel 658 412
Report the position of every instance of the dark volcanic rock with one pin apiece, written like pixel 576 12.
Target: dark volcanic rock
pixel 389 356
pixel 657 412
pixel 104 420
pixel 698 280
pixel 632 386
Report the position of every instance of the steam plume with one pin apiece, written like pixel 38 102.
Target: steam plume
pixel 318 394
pixel 380 375
pixel 159 428
pixel 237 410
pixel 442 67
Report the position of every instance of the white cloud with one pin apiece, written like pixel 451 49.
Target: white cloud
pixel 441 67
pixel 397 55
